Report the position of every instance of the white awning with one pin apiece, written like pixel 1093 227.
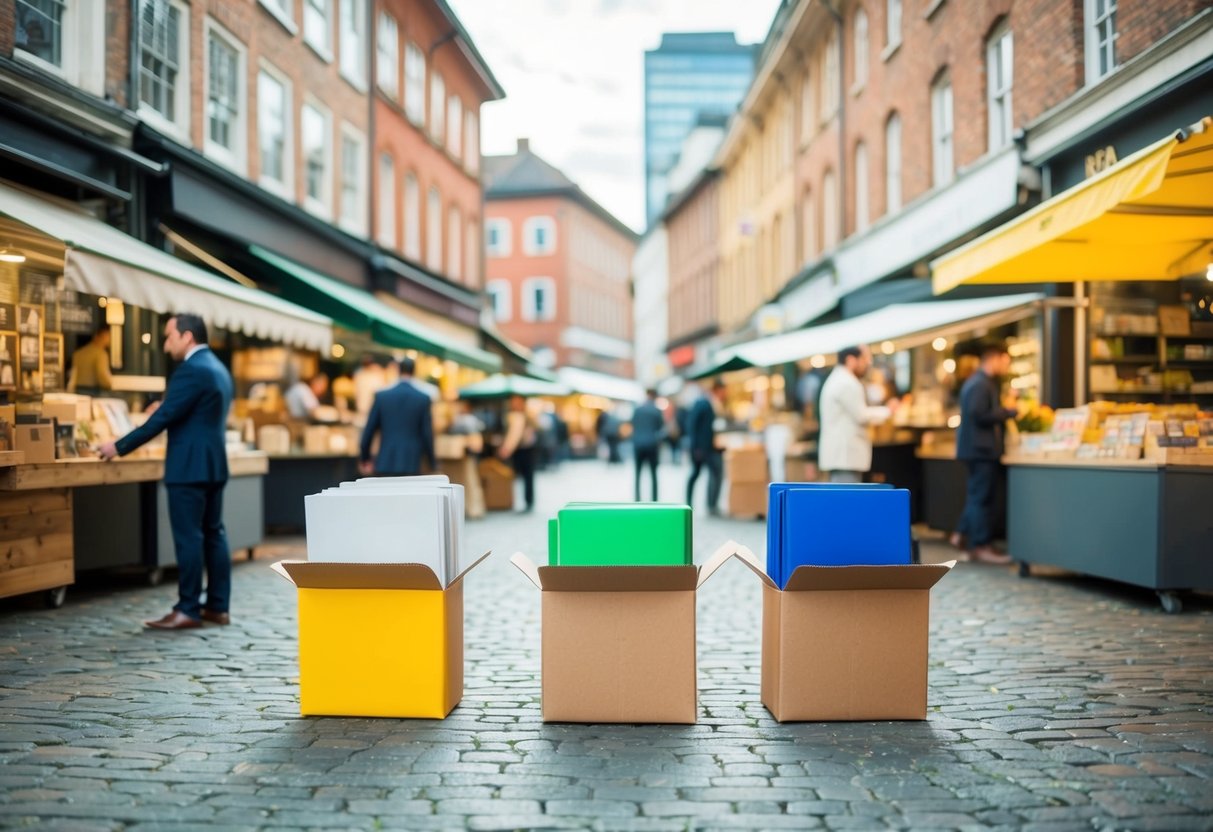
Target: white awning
pixel 101 260
pixel 905 324
pixel 600 384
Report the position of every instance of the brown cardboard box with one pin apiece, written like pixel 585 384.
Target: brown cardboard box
pixel 497 479
pixel 747 499
pixel 846 642
pixel 619 641
pixel 63 412
pixel 746 464
pixel 36 441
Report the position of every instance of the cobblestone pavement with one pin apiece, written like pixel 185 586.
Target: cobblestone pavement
pixel 1056 703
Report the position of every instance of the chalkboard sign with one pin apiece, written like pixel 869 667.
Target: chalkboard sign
pixel 52 362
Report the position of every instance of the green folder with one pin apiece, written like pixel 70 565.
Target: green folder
pixel 620 534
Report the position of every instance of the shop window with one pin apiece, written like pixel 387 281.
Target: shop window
pixel 892 164
pixel 539 299
pixel 497 238
pixel 352 33
pixel 1100 40
pixel 164 65
pixel 387 52
pixel 353 180
pixel 412 218
pixel 500 300
pixel 317 154
pixel 433 230
pixel 386 233
pixel 318 27
pixel 999 72
pixel 437 107
pixel 225 98
pixel 414 84
pixel 942 156
pixel 539 236
pixel 274 131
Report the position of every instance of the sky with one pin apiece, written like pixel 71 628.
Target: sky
pixel 573 73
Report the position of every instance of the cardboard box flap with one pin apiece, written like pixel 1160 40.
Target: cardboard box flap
pixel 473 565
pixel 717 559
pixel 911 576
pixel 746 556
pixel 316 575
pixel 617 578
pixel 527 567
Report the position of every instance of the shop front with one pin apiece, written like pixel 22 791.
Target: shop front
pixel 64 277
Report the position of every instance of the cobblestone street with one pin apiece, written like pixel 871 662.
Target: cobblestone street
pixel 1056 703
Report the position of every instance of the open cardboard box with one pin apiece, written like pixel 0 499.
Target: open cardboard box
pixel 846 642
pixel 619 641
pixel 378 639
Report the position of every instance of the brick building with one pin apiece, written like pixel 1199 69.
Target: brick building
pixel 558 266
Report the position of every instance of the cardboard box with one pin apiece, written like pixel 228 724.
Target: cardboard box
pixel 746 464
pixel 747 499
pixel 799 470
pixel 846 642
pixel 377 639
pixel 36 441
pixel 619 641
pixel 497 480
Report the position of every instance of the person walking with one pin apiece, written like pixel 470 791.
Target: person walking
pixel 518 447
pixel 980 444
pixel 648 431
pixel 701 442
pixel 844 448
pixel 401 415
pixel 194 412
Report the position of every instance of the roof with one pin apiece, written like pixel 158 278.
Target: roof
pixel 464 41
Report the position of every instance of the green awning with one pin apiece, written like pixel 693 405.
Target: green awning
pixel 359 311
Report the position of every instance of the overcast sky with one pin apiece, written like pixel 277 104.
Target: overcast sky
pixel 573 73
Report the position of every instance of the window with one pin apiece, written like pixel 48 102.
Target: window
pixel 861 48
pixel 40 25
pixel 163 85
pixel 386 225
pixel 454 126
pixel 863 214
pixel 225 95
pixel 353 180
pixel 808 108
pixel 454 244
pixel 829 211
pixel 387 52
pixel 433 230
pixel 352 31
pixel 497 238
pixel 810 228
pixel 412 218
pixel 1100 23
pixel 317 140
pixel 274 131
pixel 892 164
pixel 539 299
pixel 64 37
pixel 284 11
pixel 999 65
pixel 414 84
pixel 471 143
pixel 318 26
pixel 892 24
pixel 942 161
pixel 830 77
pixel 539 236
pixel 500 298
pixel 472 259
pixel 437 106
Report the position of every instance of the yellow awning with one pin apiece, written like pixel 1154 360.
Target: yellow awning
pixel 1148 217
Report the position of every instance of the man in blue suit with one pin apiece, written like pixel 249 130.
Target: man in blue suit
pixel 194 412
pixel 401 416
pixel 701 432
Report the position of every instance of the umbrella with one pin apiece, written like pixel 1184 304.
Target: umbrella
pixel 501 385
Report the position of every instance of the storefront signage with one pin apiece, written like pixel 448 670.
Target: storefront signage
pixel 1099 161
pixel 682 356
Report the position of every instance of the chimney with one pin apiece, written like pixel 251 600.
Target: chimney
pixel 524 146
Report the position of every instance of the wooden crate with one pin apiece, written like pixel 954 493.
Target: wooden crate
pixel 36 549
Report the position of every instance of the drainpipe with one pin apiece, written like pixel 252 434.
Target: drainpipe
pixel 836 13
pixel 135 211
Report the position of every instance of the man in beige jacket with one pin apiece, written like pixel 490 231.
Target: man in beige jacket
pixel 844 447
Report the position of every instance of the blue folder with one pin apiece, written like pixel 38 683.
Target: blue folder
pixel 775 524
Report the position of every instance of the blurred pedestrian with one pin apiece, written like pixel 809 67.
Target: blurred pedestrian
pixel 303 397
pixel 845 447
pixel 518 447
pixel 702 428
pixel 90 374
pixel 980 444
pixel 402 416
pixel 648 431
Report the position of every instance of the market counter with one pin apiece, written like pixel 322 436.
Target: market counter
pixel 944 480
pixel 60 517
pixel 1137 521
pixel 293 476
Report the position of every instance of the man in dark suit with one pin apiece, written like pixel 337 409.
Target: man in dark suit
pixel 701 434
pixel 648 432
pixel 401 416
pixel 194 411
pixel 979 444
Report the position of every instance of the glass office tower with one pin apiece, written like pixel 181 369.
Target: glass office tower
pixel 690 74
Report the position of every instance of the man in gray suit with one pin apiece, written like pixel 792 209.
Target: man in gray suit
pixel 401 417
pixel 648 431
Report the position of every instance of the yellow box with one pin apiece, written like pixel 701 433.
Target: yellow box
pixel 377 639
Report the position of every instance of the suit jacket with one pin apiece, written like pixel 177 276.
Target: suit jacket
pixel 648 426
pixel 844 444
pixel 401 415
pixel 982 415
pixel 700 426
pixel 194 412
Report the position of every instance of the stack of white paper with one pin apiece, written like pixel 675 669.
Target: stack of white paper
pixel 389 520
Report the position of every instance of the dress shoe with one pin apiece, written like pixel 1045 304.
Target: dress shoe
pixel 988 554
pixel 216 617
pixel 957 540
pixel 175 620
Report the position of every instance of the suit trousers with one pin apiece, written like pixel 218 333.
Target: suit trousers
pixel 647 456
pixel 523 461
pixel 977 521
pixel 714 461
pixel 195 512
